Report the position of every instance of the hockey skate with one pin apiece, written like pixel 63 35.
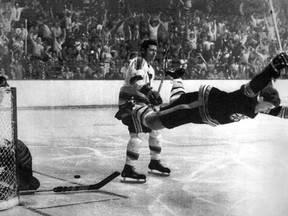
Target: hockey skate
pixel 279 62
pixel 175 74
pixel 156 168
pixel 131 176
pixel 125 110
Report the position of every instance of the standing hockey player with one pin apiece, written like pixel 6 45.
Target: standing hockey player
pixel 215 107
pixel 137 85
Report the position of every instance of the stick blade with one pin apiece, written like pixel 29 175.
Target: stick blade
pixel 105 181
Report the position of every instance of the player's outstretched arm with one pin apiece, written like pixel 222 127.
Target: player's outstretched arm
pixel 280 111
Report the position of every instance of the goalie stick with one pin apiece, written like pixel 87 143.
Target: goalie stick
pixel 60 189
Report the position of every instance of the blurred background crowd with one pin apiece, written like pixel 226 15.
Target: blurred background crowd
pixel 95 39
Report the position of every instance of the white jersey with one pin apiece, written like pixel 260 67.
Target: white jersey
pixel 138 74
pixel 146 71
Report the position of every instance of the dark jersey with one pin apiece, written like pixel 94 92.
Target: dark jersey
pixel 224 107
pixel 230 107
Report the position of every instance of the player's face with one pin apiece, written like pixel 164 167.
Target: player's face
pixel 264 107
pixel 150 53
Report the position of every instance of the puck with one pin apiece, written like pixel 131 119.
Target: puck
pixel 77 176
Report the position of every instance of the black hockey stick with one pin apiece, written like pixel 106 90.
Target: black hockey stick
pixel 60 189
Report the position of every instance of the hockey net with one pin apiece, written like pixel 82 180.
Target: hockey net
pixel 8 137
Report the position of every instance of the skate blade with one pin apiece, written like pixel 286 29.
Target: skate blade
pixel 133 181
pixel 156 173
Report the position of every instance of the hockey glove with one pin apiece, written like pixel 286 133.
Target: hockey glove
pixel 279 62
pixel 153 96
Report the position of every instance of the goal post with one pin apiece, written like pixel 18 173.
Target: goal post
pixel 9 195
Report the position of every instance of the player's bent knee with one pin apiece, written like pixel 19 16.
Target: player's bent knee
pixel 155 134
pixel 155 138
pixel 135 139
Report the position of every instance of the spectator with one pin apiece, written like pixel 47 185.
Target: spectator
pixel 6 22
pixel 3 73
pixel 78 75
pixel 16 12
pixel 106 58
pixel 154 23
pixel 58 42
pixel 124 69
pixel 30 72
pixel 17 70
pixel 89 73
pixel 69 73
pixel 22 32
pixel 63 36
pixel 37 48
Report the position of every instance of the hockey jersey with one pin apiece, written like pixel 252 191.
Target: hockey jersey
pixel 220 107
pixel 139 74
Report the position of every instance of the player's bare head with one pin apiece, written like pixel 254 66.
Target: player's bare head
pixel 145 45
pixel 149 47
pixel 271 95
pixel 3 82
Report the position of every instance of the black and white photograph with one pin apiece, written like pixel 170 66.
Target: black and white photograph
pixel 143 107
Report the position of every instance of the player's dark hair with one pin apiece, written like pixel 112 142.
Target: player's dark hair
pixel 146 43
pixel 271 95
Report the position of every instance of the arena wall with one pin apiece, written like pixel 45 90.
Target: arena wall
pixel 60 93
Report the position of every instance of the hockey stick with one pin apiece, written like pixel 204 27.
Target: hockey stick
pixel 60 189
pixel 277 33
pixel 275 26
pixel 163 75
pixel 202 58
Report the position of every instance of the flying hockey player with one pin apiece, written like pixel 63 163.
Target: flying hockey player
pixel 137 85
pixel 215 107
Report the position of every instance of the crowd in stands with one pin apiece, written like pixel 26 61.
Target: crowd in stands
pixel 41 41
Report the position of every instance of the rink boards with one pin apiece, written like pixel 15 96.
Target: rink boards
pixel 54 93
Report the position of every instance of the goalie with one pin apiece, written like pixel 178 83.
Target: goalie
pixel 26 180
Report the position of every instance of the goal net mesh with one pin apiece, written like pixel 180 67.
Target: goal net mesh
pixel 8 138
